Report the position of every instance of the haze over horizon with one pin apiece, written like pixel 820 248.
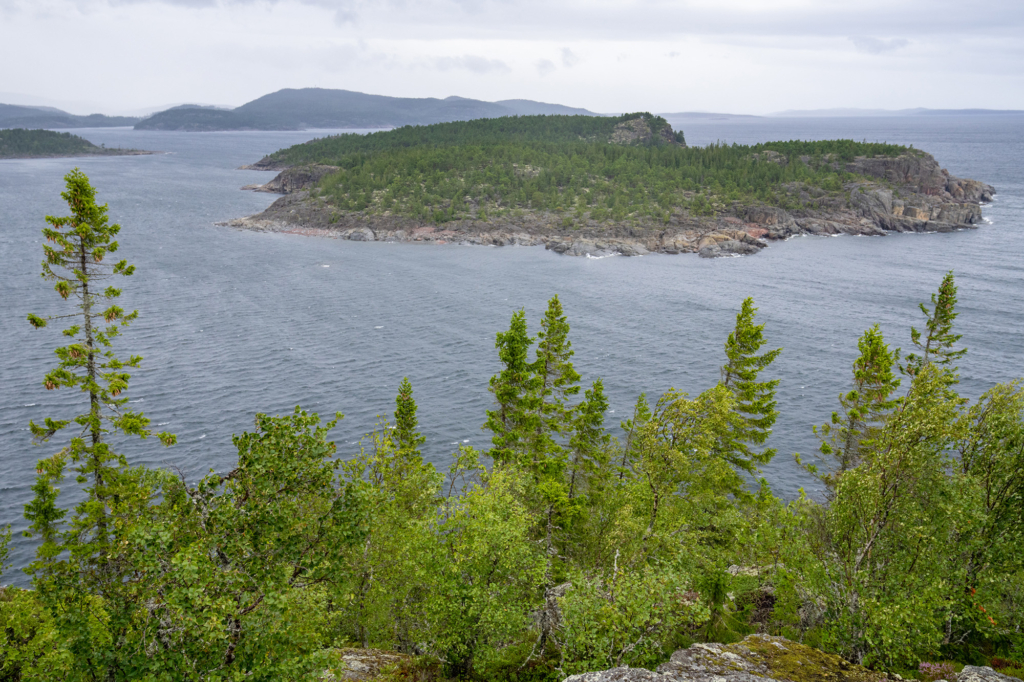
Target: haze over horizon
pixel 737 56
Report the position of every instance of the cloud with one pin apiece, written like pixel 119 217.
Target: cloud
pixel 569 58
pixel 471 62
pixel 545 66
pixel 871 45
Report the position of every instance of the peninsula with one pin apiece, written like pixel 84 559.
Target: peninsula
pixel 592 186
pixel 19 143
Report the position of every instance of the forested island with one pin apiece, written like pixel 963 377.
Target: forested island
pixel 557 550
pixel 20 143
pixel 589 185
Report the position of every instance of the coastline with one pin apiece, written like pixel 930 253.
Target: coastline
pixel 909 193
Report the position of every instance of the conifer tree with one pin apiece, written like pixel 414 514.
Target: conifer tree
pixel 515 421
pixel 589 443
pixel 76 248
pixel 937 346
pixel 847 440
pixel 755 409
pixel 557 378
pixel 407 439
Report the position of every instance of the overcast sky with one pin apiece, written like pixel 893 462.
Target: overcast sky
pixel 739 56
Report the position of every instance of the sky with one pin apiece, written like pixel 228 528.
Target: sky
pixel 736 56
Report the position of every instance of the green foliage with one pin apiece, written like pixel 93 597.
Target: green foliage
pixel 629 617
pixel 754 400
pixel 572 551
pixel 407 438
pixel 20 143
pixel 847 440
pixel 937 346
pixel 489 167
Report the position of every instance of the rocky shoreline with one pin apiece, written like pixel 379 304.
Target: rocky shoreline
pixel 908 193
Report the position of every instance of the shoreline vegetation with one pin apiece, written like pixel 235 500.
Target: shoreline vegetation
pixel 585 185
pixel 23 143
pixel 557 551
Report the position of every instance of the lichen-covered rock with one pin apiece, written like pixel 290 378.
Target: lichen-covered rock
pixel 362 665
pixel 758 658
pixel 973 673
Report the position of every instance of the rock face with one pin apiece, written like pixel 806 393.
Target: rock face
pixel 295 179
pixel 915 195
pixel 639 131
pixel 354 665
pixel 758 658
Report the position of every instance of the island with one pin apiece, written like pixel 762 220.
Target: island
pixel 595 186
pixel 19 143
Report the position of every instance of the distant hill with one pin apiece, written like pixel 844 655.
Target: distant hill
pixel 17 116
pixel 823 113
pixel 318 108
pixel 19 143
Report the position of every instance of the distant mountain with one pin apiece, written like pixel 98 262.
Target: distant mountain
pixel 17 116
pixel 318 108
pixel 706 115
pixel 836 113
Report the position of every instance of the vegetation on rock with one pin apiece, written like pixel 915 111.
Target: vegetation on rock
pixel 19 143
pixel 584 167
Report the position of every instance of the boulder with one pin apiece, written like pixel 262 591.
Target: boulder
pixel 973 673
pixel 758 658
pixel 358 665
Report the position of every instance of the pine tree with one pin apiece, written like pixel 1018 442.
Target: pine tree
pixel 938 343
pixel 755 400
pixel 847 440
pixel 558 379
pixel 406 438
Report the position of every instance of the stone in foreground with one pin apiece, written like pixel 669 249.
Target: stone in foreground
pixel 758 658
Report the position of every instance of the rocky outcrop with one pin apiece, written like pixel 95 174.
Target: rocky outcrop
pixel 912 194
pixel 758 658
pixel 362 665
pixel 644 131
pixel 295 179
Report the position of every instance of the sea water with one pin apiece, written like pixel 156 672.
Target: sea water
pixel 233 323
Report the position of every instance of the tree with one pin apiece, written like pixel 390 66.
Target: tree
pixel 81 574
pixel 937 346
pixel 407 438
pixel 755 400
pixel 515 420
pixel 81 242
pixel 846 441
pixel 558 380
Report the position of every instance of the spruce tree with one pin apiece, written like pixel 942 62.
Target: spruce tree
pixel 847 440
pixel 755 409
pixel 589 442
pixel 557 378
pixel 406 438
pixel 937 346
pixel 77 246
pixel 515 421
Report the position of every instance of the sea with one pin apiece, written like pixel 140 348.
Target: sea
pixel 234 323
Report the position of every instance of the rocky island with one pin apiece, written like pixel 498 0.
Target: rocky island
pixel 594 186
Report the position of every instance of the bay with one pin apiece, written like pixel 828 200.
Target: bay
pixel 233 323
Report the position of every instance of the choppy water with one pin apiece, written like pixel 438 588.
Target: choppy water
pixel 233 323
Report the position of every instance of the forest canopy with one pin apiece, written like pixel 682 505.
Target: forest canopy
pixel 568 165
